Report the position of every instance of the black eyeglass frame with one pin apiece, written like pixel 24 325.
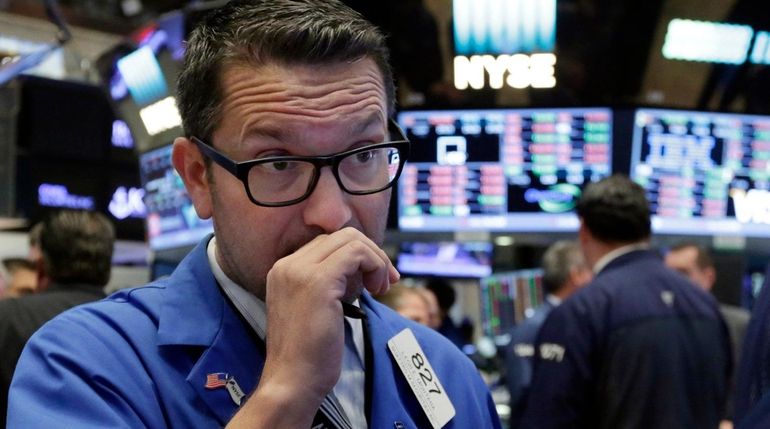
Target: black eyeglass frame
pixel 241 169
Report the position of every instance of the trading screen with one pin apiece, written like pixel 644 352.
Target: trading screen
pixel 501 169
pixel 704 172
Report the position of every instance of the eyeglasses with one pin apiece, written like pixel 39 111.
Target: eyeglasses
pixel 279 181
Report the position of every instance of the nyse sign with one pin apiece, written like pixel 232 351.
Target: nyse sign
pixel 517 71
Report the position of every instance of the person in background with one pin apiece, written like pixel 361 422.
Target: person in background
pixel 434 317
pixel 35 252
pixel 75 264
pixel 291 150
pixel 564 272
pixel 697 264
pixel 22 277
pixel 752 390
pixel 636 348
pixel 446 296
pixel 408 302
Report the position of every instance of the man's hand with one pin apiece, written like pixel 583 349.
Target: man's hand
pixel 305 331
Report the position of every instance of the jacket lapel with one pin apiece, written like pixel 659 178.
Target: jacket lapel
pixel 234 353
pixel 195 313
pixel 391 397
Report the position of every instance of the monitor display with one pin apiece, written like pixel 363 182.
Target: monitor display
pixel 47 185
pixel 445 259
pixel 171 218
pixel 507 298
pixel 705 173
pixel 513 170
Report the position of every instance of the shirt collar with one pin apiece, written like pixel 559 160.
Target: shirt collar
pixel 254 309
pixel 614 254
pixel 553 300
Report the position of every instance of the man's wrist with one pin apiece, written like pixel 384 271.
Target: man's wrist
pixel 277 404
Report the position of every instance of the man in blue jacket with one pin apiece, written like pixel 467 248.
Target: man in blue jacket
pixel 638 347
pixel 269 323
pixel 565 271
pixel 752 392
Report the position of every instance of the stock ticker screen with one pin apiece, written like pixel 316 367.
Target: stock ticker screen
pixel 705 173
pixel 171 218
pixel 501 169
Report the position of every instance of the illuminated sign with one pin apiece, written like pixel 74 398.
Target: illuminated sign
pixel 161 116
pixel 761 52
pixel 715 42
pixel 127 202
pixel 499 43
pixel 143 76
pixel 517 71
pixel 503 27
pixel 52 195
pixel 121 135
pixel 751 206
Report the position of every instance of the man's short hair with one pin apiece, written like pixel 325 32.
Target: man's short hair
pixel 258 32
pixel 12 265
pixel 703 258
pixel 558 261
pixel 445 293
pixel 34 235
pixel 615 210
pixel 77 247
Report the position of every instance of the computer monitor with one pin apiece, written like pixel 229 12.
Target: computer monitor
pixel 507 298
pixel 512 170
pixel 171 218
pixel 706 173
pixel 445 259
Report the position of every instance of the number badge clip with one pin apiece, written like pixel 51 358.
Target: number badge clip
pixel 421 378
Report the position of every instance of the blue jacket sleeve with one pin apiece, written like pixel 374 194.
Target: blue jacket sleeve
pixel 96 386
pixel 562 371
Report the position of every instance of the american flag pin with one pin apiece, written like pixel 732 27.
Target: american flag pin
pixel 217 380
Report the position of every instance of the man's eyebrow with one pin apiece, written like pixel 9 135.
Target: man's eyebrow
pixel 364 125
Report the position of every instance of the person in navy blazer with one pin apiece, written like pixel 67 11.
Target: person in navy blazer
pixel 638 347
pixel 752 392
pixel 565 271
pixel 290 149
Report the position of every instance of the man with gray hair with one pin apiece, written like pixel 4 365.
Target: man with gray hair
pixel 564 272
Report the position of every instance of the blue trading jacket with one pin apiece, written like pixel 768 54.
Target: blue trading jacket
pixel 140 358
pixel 752 393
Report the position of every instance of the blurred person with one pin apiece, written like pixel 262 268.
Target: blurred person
pixel 564 272
pixel 638 347
pixel 22 277
pixel 75 264
pixel 408 302
pixel 446 296
pixel 270 322
pixel 697 264
pixel 434 313
pixel 752 391
pixel 35 253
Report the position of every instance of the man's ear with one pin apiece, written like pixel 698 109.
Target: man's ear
pixel 711 276
pixel 190 165
pixel 583 233
pixel 43 279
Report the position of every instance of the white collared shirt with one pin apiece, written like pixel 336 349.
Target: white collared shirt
pixel 620 251
pixel 349 389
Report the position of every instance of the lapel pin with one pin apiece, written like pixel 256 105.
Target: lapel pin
pixel 218 380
